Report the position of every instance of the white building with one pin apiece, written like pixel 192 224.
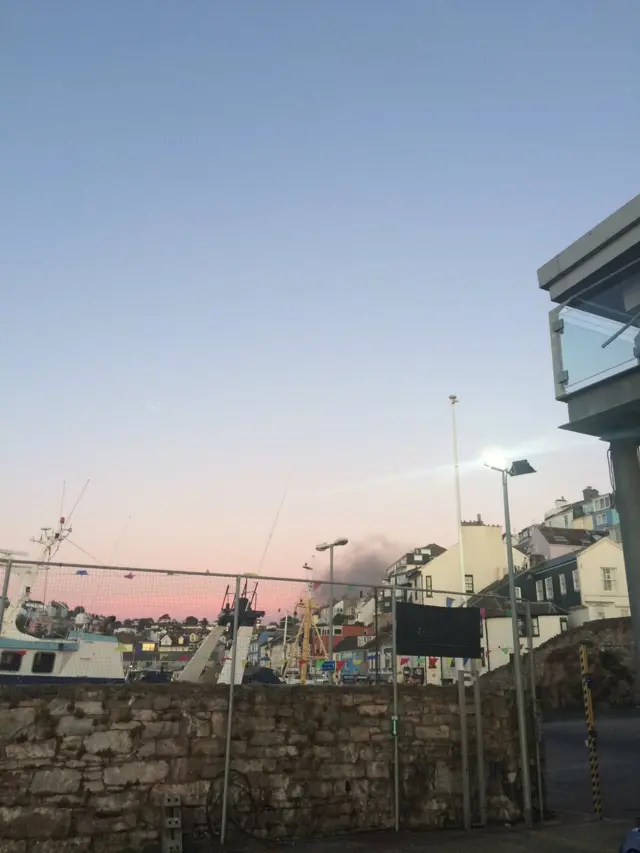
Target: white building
pixel 485 562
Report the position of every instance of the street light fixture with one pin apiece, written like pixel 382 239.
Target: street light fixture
pixel 496 462
pixel 329 546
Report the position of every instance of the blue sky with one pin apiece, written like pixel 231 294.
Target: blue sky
pixel 254 244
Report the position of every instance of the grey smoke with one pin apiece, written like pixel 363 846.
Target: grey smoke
pixel 362 565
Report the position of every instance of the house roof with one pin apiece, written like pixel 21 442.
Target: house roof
pixel 347 644
pixel 571 536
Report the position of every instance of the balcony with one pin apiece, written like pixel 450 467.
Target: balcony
pixel 596 337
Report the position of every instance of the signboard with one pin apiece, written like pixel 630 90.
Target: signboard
pixel 328 666
pixel 424 630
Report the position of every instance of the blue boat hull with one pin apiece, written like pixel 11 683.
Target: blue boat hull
pixel 7 678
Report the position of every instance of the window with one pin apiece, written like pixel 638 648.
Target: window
pixel 608 579
pixel 522 626
pixel 428 583
pixel 10 661
pixel 417 558
pixel 600 613
pixel 518 593
pixel 43 662
pixel 564 624
pixel 563 584
pixel 539 592
pixel 548 588
pixel 468 583
pixel 601 518
pixel 575 576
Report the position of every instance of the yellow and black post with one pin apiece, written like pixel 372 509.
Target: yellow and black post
pixel 591 732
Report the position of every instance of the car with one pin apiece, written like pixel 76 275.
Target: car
pixel 631 843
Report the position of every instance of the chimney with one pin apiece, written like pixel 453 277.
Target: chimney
pixel 479 519
pixel 590 493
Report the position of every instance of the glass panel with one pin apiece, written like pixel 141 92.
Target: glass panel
pixel 583 357
pixel 590 322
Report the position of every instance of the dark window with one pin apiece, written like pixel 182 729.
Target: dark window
pixel 564 624
pixel 43 662
pixel 428 582
pixel 10 661
pixel 522 626
pixel 468 583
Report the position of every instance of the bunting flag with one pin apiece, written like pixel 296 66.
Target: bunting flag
pixel 505 650
pixel 465 661
pixel 483 613
pixel 452 663
pixel 404 661
pixel 130 576
pixel 449 602
pixel 317 585
pixel 82 572
pixel 433 663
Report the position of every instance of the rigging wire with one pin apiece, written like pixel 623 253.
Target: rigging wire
pixel 274 525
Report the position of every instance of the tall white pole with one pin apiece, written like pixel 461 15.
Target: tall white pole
pixel 456 467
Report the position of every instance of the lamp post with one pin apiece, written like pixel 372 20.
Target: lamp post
pixel 456 466
pixel 522 466
pixel 329 546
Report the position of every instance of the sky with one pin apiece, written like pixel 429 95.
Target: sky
pixel 250 249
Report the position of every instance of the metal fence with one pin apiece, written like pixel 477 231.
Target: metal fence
pixel 195 626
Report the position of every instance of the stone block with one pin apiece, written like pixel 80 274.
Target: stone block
pixel 378 770
pixel 137 772
pixel 324 737
pixel 29 822
pixel 71 725
pixel 360 734
pixel 172 747
pixel 90 708
pixel 25 752
pixel 209 747
pixel 16 720
pixel 379 710
pixel 117 802
pixel 70 845
pixel 110 742
pixel 190 793
pixel 56 780
pixel 431 733
pixel 144 715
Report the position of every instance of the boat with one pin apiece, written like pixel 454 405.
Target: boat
pixel 79 658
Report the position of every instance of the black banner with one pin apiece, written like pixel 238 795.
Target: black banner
pixel 443 632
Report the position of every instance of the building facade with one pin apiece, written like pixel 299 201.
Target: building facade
pixel 593 512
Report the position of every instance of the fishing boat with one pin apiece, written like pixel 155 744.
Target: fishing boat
pixel 80 657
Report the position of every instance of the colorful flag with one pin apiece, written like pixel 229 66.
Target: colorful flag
pixel 452 663
pixel 130 576
pixel 483 613
pixel 449 602
pixel 82 572
pixel 404 661
pixel 465 661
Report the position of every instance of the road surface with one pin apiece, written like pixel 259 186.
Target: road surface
pixel 568 776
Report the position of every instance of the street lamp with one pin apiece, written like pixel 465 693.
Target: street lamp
pixel 496 462
pixel 329 546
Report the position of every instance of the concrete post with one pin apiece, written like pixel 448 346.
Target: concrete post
pixel 626 472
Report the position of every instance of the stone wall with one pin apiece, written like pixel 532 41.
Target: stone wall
pixel 611 663
pixel 88 768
